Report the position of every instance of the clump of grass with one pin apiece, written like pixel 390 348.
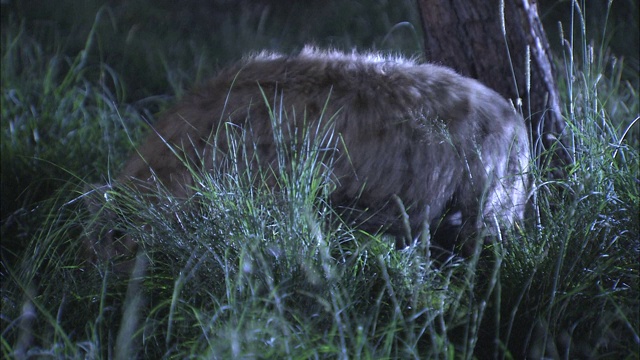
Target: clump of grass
pixel 568 289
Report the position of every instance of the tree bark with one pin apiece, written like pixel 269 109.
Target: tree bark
pixel 500 43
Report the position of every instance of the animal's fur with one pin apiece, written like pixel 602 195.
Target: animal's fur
pixel 440 142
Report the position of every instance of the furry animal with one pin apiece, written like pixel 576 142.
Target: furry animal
pixel 415 136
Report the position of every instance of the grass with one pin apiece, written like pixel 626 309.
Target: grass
pixel 240 272
pixel 62 119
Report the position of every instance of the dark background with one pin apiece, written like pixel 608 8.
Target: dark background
pixel 143 39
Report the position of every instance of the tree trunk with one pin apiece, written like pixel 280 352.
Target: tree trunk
pixel 471 37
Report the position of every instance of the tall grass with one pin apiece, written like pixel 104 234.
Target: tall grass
pixel 578 269
pixel 238 271
pixel 62 118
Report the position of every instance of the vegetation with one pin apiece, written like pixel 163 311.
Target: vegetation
pixel 240 272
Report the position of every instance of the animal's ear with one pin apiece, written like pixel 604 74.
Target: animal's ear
pixel 96 196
